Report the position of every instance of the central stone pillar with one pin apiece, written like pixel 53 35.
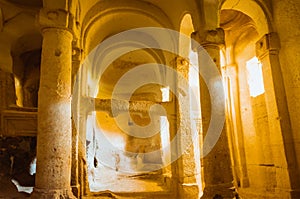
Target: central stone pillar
pixel 217 172
pixel 54 140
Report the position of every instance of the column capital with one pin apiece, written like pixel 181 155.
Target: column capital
pixel 182 66
pixel 268 43
pixel 76 53
pixel 181 61
pixel 53 18
pixel 208 38
pixel 59 19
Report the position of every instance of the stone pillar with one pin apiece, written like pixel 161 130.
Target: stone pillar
pixel 7 90
pixel 76 146
pixel 188 146
pixel 83 114
pixel 54 140
pixel 281 140
pixel 172 119
pixel 218 178
pixel 234 127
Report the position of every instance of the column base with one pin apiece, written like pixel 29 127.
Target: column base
pixel 245 182
pixel 221 191
pixel 295 194
pixel 190 191
pixel 52 194
pixel 76 190
pixel 292 194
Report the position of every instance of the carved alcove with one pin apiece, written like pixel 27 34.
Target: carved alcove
pixel 19 117
pixel 20 55
pixel 31 77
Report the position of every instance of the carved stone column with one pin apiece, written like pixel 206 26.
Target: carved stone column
pixel 288 177
pixel 188 146
pixel 172 119
pixel 54 140
pixel 218 178
pixel 76 146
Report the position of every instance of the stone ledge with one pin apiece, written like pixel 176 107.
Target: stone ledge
pixel 19 122
pixel 190 191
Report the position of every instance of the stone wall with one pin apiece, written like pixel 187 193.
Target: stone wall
pixel 287 23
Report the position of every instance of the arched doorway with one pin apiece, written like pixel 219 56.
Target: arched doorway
pixel 252 52
pixel 116 160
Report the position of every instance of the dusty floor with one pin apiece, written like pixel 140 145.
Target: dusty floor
pixel 109 179
pixel 106 180
pixel 8 190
